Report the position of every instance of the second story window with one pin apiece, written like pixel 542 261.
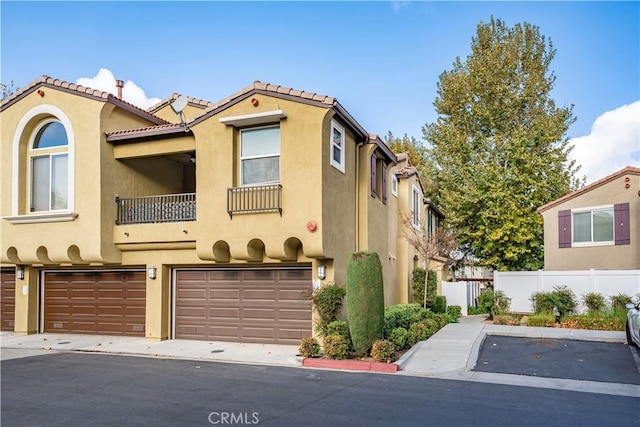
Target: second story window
pixel 48 164
pixel 593 226
pixel 337 146
pixel 415 206
pixel 260 155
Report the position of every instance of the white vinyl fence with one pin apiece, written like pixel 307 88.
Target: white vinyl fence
pixel 520 285
pixel 463 293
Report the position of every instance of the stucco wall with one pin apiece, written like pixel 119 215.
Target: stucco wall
pixel 619 257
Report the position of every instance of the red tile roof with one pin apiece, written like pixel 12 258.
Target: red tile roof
pixel 47 81
pixel 194 102
pixel 627 170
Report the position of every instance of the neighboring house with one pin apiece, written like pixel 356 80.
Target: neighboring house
pixel 595 227
pixel 117 220
pixel 423 214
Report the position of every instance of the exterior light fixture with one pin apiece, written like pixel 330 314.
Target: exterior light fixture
pixel 152 272
pixel 322 272
pixel 20 273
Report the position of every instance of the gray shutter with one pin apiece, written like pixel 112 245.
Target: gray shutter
pixel 621 226
pixel 564 228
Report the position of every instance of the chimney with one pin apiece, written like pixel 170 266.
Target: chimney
pixel 119 85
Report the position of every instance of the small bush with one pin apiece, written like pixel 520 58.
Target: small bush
pixel 541 320
pixel 505 319
pixel 309 347
pixel 418 278
pixel 495 303
pixel 543 302
pixel 336 347
pixel 565 300
pixel 471 310
pixel 340 327
pixel 594 301
pixel 440 305
pixel 400 316
pixel 441 320
pixel 383 351
pixel 327 302
pixel 620 301
pixel 455 311
pixel 421 331
pixel 400 338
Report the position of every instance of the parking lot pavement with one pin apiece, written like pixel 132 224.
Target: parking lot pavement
pixel 559 358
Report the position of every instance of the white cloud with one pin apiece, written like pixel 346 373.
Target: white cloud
pixel 614 142
pixel 397 5
pixel 106 81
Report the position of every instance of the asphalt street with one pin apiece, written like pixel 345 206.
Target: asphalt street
pixel 559 358
pixel 78 389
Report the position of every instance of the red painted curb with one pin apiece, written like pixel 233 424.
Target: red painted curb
pixel 351 365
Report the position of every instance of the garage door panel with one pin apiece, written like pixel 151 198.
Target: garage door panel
pixel 246 305
pixel 110 303
pixel 7 299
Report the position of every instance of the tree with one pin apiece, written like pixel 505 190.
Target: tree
pixel 439 244
pixel 7 90
pixel 499 145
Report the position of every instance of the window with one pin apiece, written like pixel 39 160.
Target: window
pixel 394 184
pixel 384 183
pixel 49 168
pixel 337 146
pixel 429 223
pixel 260 155
pixel 415 206
pixel 374 178
pixel 595 226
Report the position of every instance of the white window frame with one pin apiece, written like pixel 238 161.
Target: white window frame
pixel 591 210
pixel 394 184
pixel 338 165
pixel 67 215
pixel 241 180
pixel 415 206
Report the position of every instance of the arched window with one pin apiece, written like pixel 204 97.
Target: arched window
pixel 48 161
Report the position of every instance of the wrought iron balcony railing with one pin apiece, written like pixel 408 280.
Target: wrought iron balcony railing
pixel 156 209
pixel 261 198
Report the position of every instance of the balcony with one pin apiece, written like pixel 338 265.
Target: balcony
pixel 261 198
pixel 156 209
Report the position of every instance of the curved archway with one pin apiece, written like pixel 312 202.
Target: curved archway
pixel 12 255
pixel 43 255
pixel 292 247
pixel 73 253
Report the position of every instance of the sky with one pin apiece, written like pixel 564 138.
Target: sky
pixel 380 59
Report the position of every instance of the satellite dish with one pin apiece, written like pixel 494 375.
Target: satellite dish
pixel 179 104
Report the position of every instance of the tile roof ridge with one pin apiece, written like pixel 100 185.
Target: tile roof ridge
pixel 146 128
pixel 627 169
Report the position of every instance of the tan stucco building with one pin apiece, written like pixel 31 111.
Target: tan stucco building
pixel 596 227
pixel 208 224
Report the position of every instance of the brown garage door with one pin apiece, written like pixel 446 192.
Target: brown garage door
pixel 247 305
pixel 7 299
pixel 100 302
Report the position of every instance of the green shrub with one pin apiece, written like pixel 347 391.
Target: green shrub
pixel 383 351
pixel 495 303
pixel 365 300
pixel 327 302
pixel 541 320
pixel 400 316
pixel 440 305
pixel 565 300
pixel 309 347
pixel 400 338
pixel 561 301
pixel 339 327
pixel 455 311
pixel 418 278
pixel 594 301
pixel 471 310
pixel 421 331
pixel 441 320
pixel 620 301
pixel 505 319
pixel 543 302
pixel 336 347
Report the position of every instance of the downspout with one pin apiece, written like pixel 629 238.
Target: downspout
pixel 358 145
